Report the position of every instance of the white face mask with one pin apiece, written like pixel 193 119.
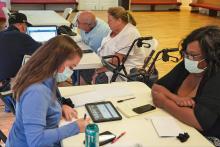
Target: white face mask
pixel 61 77
pixel 192 66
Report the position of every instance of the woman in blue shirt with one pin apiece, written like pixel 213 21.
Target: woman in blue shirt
pixel 38 111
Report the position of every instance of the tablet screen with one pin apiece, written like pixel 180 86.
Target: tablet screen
pixel 103 111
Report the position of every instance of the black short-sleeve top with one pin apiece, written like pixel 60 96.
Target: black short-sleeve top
pixel 207 99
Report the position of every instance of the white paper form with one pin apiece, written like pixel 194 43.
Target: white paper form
pixel 88 97
pixel 100 94
pixel 115 92
pixel 166 126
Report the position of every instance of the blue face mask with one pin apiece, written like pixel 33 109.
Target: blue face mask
pixel 192 66
pixel 61 77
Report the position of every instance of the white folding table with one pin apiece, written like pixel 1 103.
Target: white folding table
pixel 44 17
pixel 139 129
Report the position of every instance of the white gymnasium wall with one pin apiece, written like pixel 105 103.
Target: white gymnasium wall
pixel 185 4
pixel 8 3
pixel 57 7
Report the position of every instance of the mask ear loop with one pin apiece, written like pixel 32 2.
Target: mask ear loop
pixel 200 62
pixel 128 16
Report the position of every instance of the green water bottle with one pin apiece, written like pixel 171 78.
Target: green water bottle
pixel 92 135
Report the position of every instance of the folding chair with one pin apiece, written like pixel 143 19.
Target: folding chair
pixel 9 101
pixel 70 30
pixel 74 23
pixel 25 59
pixel 67 12
pixel 2 137
pixel 6 93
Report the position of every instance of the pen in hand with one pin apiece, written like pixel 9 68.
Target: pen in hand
pixel 117 138
pixel 84 116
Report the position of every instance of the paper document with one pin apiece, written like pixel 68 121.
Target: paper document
pixel 76 38
pixel 84 98
pixel 114 92
pixel 125 144
pixel 166 126
pixel 64 122
pixel 83 46
pixel 100 94
pixel 6 92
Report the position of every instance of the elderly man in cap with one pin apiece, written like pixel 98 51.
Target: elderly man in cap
pixel 14 44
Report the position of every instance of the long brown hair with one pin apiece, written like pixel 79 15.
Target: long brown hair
pixel 120 12
pixel 45 62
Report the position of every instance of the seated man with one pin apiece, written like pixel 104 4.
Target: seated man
pixel 190 92
pixel 14 44
pixel 92 29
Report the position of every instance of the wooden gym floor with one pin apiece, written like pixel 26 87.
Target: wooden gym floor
pixel 167 27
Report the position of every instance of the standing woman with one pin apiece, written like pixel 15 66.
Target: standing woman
pixel 38 111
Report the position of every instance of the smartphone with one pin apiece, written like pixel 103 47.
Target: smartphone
pixel 143 108
pixel 105 137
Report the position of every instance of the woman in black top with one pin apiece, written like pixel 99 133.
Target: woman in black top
pixel 191 91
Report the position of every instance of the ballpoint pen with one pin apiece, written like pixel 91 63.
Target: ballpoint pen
pixel 119 101
pixel 84 116
pixel 117 138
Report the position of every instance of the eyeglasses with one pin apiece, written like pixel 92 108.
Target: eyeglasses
pixel 190 56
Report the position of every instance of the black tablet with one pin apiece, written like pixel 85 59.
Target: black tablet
pixel 102 112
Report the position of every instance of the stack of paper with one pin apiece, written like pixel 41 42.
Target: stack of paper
pixel 114 92
pixel 100 94
pixel 83 46
pixel 88 97
pixel 64 122
pixel 76 38
pixel 127 144
pixel 166 126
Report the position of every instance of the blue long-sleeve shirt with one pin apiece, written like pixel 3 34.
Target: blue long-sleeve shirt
pixel 37 117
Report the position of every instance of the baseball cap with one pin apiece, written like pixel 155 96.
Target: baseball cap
pixel 18 18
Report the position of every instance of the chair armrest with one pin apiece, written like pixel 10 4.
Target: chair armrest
pixel 108 65
pixel 5 93
pixel 7 98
